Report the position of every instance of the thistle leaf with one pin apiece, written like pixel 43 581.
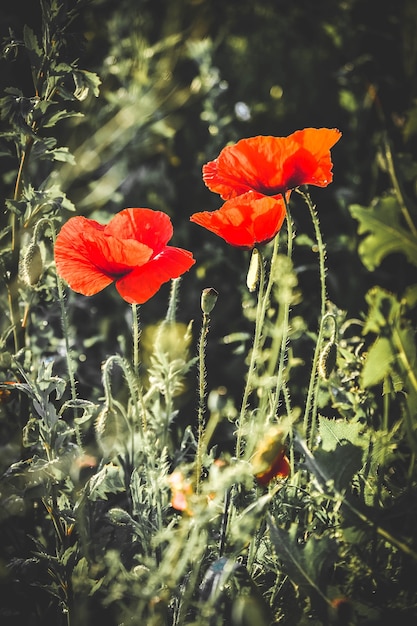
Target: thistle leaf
pixel 384 234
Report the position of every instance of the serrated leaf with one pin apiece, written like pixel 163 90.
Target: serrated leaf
pixel 339 466
pixel 377 363
pixel 334 431
pixel 84 83
pixel 52 118
pixel 384 235
pixel 33 49
pixel 108 480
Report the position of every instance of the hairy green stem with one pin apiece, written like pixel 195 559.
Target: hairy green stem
pixel 260 316
pixel 201 397
pixel 136 335
pixel 285 318
pixel 310 421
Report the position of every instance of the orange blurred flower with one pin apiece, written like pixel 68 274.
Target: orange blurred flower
pixel 181 492
pixel 269 460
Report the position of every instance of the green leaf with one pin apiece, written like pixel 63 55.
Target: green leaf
pixel 108 480
pixel 410 296
pixel 334 431
pixel 339 466
pixel 84 83
pixel 33 49
pixel 384 310
pixel 384 235
pixel 308 565
pixel 378 362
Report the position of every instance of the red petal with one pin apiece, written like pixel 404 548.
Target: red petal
pixel 89 260
pixel 279 469
pixel 72 259
pixel 272 165
pixel 244 221
pixel 153 228
pixel 143 282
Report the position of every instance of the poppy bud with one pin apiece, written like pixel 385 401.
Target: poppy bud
pixel 208 300
pixel 253 271
pixel 32 265
pixel 327 360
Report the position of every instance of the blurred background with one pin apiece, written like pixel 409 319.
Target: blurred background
pixel 180 79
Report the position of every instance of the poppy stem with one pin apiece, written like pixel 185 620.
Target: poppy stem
pixel 285 316
pixel 312 393
pixel 136 336
pixel 263 298
pixel 208 300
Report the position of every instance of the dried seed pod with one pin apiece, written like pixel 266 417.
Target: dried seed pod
pixel 32 265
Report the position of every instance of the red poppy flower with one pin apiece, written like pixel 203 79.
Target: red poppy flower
pixel 273 165
pixel 130 250
pixel 245 221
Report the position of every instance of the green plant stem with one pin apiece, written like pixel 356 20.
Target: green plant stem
pixel 136 336
pixel 397 188
pixel 260 316
pixel 201 397
pixel 310 421
pixel 310 412
pixel 285 318
pixel 134 390
pixel 64 321
pixel 321 250
pixel 12 281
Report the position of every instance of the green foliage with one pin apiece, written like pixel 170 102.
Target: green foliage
pixel 383 232
pixel 124 497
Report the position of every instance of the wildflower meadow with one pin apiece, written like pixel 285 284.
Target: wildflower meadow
pixel 208 377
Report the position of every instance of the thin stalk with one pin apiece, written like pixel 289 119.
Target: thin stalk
pixel 309 423
pixel 12 282
pixel 201 397
pixel 64 320
pixel 397 188
pixel 134 389
pixel 321 250
pixel 136 335
pixel 285 317
pixel 260 316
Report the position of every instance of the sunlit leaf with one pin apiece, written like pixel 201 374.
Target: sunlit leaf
pixel 383 232
pixel 378 362
pixel 108 480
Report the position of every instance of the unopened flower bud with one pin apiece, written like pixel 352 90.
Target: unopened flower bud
pixel 208 300
pixel 327 360
pixel 32 265
pixel 253 271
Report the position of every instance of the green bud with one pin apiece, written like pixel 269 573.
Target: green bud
pixel 327 360
pixel 208 300
pixel 253 271
pixel 32 265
